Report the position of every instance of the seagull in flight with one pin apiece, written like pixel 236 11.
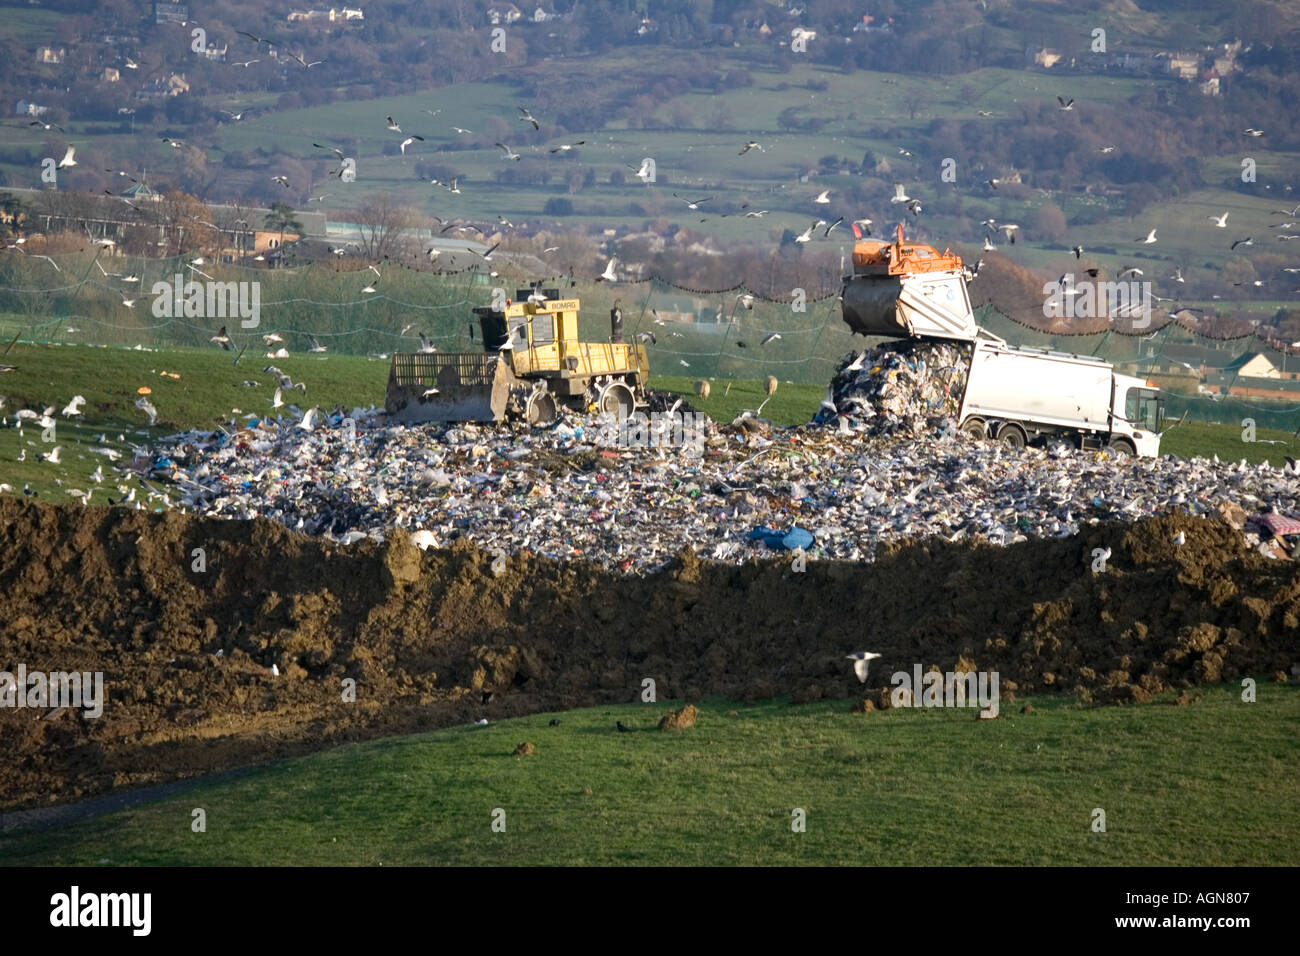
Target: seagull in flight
pixel 1220 222
pixel 528 118
pixel 861 661
pixel 510 154
pixel 222 339
pixel 47 126
pixel 693 204
pixel 748 146
pixel 1253 132
pixel 1151 237
pixel 1066 105
pixel 461 131
pixel 67 159
pixel 823 197
pixel 392 125
pixel 1248 241
pixel 608 275
pixel 899 194
pixel 409 140
pixel 643 173
pixel 807 234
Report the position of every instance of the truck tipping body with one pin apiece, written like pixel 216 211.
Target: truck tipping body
pixel 1012 394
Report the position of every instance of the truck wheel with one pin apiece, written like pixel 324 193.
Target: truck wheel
pixel 1121 448
pixel 1012 435
pixel 975 428
pixel 541 409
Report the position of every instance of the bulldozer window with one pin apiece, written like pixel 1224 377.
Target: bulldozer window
pixel 543 329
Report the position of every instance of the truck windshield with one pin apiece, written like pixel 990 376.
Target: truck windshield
pixel 1144 408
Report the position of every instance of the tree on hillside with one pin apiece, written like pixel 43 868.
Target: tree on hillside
pixel 382 221
pixel 283 218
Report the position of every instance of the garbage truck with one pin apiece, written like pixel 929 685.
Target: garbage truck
pixel 1012 394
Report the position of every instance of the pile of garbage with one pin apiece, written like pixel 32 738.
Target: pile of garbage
pixel 910 389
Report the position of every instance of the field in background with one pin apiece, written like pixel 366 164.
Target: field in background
pixel 894 787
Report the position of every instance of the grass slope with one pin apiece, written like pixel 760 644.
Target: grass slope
pixel 1206 784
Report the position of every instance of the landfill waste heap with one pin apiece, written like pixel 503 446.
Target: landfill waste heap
pixel 908 388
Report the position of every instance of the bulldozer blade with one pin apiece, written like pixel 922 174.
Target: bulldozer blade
pixel 448 387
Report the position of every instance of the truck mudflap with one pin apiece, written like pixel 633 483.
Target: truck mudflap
pixel 928 305
pixel 444 387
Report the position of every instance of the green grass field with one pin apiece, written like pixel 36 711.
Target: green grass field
pixel 1207 784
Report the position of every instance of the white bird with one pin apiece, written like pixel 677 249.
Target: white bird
pixel 1180 539
pixel 271 338
pixel 807 234
pixel 222 339
pixel 74 406
pixel 52 456
pixel 316 346
pixel 275 670
pixel 426 347
pixel 899 194
pixel 308 420
pixel 97 476
pixel 608 275
pixel 861 662
pixel 1010 229
pixel 67 160
pixel 147 407
pixel 823 197
pixel 1066 105
pixel 1253 132
pixel 409 140
pixel 276 399
pixel 693 204
pixel 1220 221
pixel 748 146
pixel 461 131
pixel 828 402
pixel 392 125
pixel 528 118
pixel 644 172
pixel 1151 237
pixel 510 154
pixel 770 338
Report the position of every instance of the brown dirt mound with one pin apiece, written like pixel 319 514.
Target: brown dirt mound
pixel 426 635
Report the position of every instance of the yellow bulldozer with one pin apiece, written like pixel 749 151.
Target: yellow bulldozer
pixel 532 363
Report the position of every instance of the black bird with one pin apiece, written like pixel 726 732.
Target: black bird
pixel 621 728
pixel 1078 251
pixel 555 722
pixel 487 696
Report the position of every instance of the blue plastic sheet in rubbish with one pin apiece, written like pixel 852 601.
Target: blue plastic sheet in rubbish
pixel 790 540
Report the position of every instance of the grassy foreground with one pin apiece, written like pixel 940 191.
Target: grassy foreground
pixel 1210 783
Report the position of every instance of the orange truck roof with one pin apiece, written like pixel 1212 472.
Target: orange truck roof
pixel 904 257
